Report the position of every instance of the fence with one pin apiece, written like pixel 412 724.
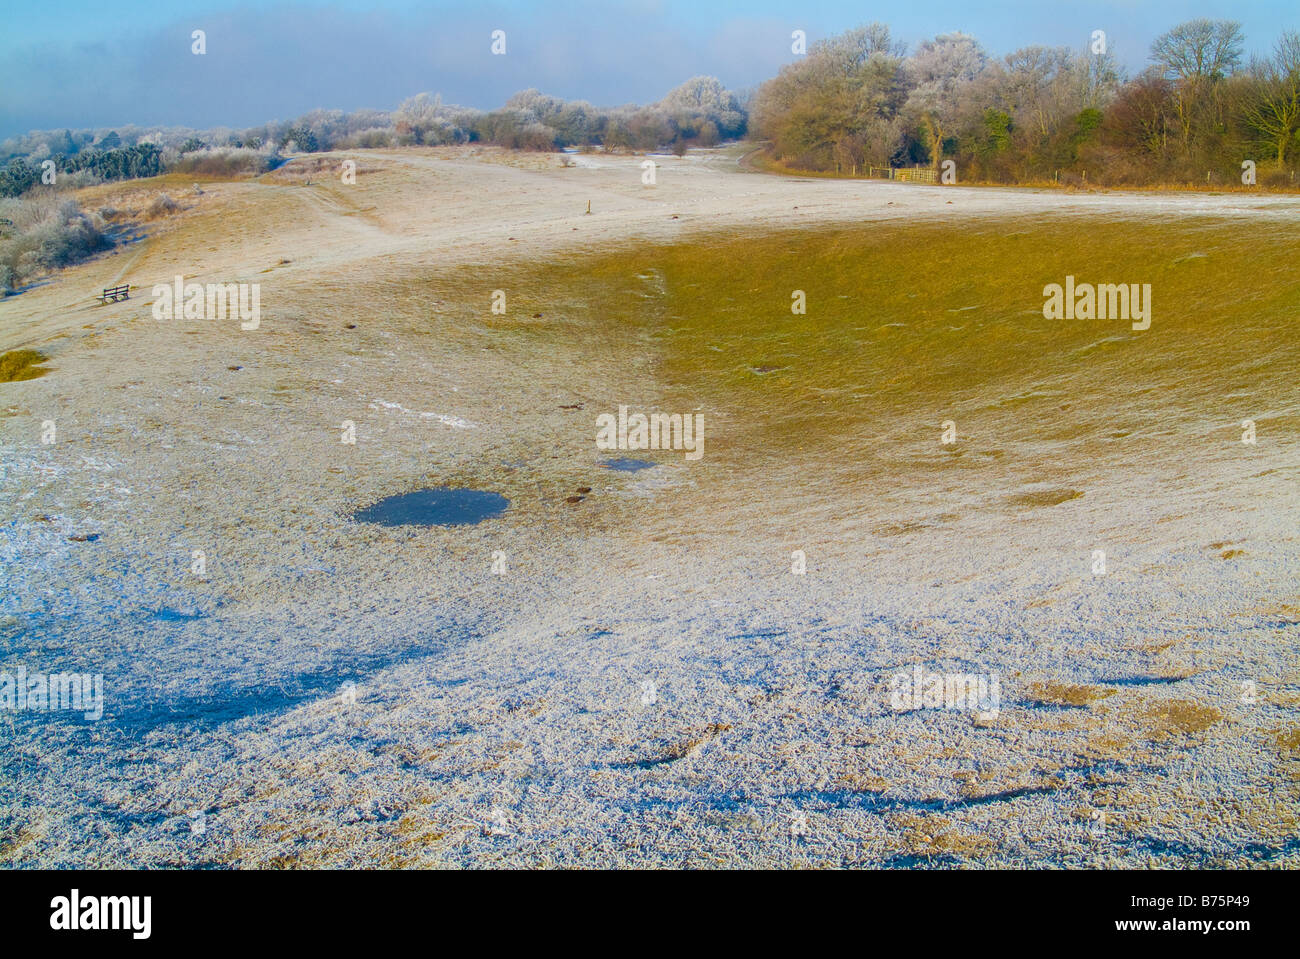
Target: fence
pixel 914 174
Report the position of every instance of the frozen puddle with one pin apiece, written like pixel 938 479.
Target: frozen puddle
pixel 441 506
pixel 627 465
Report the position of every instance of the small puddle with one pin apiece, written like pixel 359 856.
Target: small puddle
pixel 441 506
pixel 168 615
pixel 627 465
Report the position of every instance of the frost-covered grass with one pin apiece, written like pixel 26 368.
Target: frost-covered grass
pixel 504 719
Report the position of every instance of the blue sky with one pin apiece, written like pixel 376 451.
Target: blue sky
pixel 79 63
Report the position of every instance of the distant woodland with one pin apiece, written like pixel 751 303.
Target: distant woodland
pixel 856 101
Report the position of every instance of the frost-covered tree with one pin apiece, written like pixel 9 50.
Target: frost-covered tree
pixel 837 107
pixel 940 74
pixel 703 100
pixel 425 119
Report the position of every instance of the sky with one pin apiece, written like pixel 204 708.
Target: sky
pixel 104 63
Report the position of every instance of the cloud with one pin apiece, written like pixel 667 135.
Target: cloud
pixel 278 60
pixel 278 63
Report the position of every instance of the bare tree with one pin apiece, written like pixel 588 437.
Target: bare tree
pixel 1200 49
pixel 1273 105
pixel 1198 55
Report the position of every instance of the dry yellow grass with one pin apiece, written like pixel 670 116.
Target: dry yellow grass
pixel 1288 742
pixel 1183 716
pixel 935 836
pixel 22 365
pixel 1053 693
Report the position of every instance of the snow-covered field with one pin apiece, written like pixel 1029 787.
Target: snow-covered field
pixel 638 677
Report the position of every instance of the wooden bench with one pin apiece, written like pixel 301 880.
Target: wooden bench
pixel 116 293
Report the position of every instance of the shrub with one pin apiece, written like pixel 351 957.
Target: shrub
pixel 162 205
pixel 18 177
pixel 300 139
pixel 226 162
pixel 140 160
pixel 48 234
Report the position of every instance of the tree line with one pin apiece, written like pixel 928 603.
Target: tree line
pixel 1195 114
pixel 120 163
pixel 856 101
pixel 699 112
